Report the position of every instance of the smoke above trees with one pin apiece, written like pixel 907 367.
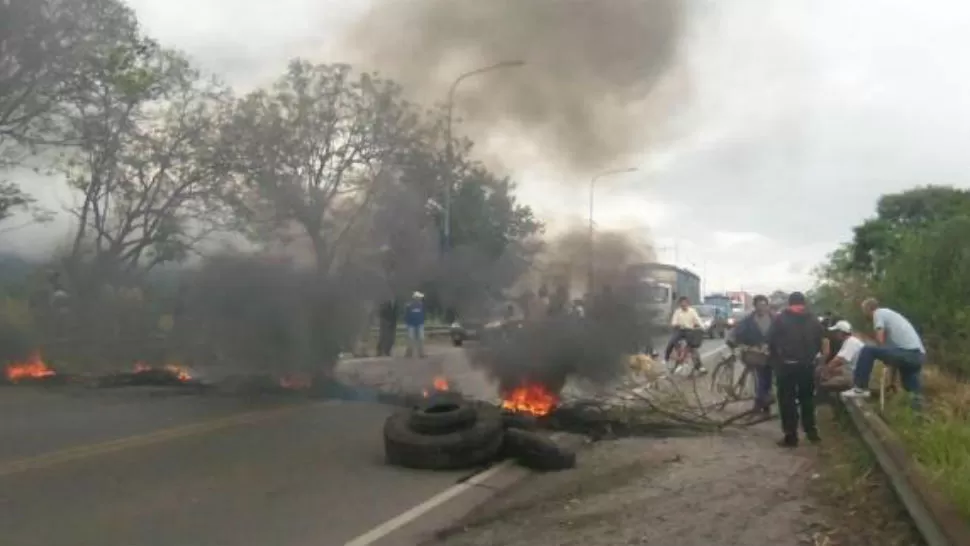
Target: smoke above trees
pixel 587 94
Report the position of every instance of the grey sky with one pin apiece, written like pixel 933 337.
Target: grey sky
pixel 796 115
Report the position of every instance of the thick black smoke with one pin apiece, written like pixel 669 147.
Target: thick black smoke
pixel 554 342
pixel 550 351
pixel 584 96
pixel 262 315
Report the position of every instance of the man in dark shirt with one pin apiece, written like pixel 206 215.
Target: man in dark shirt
pixel 751 334
pixel 794 341
pixel 832 342
pixel 414 320
pixel 388 327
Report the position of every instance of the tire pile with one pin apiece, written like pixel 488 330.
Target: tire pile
pixel 451 433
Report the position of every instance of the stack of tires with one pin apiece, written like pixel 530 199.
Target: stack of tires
pixel 449 433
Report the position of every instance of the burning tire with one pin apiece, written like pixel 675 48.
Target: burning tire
pixel 468 448
pixel 519 421
pixel 443 416
pixel 537 452
pixel 145 378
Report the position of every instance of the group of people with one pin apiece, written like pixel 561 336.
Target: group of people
pixel 414 318
pixel 800 350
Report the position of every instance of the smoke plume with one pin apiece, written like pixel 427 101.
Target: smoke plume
pixel 583 98
pixel 553 344
pixel 566 258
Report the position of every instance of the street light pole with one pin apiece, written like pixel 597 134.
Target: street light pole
pixel 592 193
pixel 449 150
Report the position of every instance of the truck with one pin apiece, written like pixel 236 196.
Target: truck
pixel 725 306
pixel 741 302
pixel 659 286
pixel 720 301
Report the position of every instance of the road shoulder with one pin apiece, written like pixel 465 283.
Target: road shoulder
pixel 725 489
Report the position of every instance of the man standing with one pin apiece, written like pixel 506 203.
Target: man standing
pixel 838 369
pixel 683 320
pixel 794 341
pixel 751 334
pixel 388 327
pixel 900 348
pixel 414 320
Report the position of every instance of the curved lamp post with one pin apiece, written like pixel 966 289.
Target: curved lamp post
pixel 449 151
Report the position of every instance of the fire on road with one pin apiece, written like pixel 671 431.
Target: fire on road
pixel 122 469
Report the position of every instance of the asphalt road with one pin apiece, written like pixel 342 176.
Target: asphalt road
pixel 180 471
pixel 146 467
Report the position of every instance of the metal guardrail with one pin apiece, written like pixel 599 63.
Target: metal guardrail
pixel 935 517
pixel 428 330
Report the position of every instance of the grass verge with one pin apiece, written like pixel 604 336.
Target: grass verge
pixel 862 506
pixel 939 437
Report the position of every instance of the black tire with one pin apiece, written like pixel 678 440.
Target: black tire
pixel 536 451
pixel 469 448
pixel 520 421
pixel 147 378
pixel 457 342
pixel 443 416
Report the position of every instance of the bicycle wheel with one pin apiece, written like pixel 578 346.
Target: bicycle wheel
pixel 745 386
pixel 722 378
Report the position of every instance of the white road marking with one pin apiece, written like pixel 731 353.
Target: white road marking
pixel 389 526
pixel 714 352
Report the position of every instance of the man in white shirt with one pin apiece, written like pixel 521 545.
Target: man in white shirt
pixel 899 347
pixel 684 319
pixel 837 372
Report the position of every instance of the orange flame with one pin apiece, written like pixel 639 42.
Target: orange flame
pixel 439 384
pixel 32 368
pixel 531 398
pixel 179 372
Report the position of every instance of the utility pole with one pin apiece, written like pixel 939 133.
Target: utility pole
pixel 449 149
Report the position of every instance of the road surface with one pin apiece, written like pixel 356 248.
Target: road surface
pixel 124 468
pixel 149 468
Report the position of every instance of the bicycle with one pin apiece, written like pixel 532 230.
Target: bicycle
pixel 723 379
pixel 684 351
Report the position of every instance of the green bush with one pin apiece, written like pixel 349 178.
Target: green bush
pixel 940 441
pixel 928 282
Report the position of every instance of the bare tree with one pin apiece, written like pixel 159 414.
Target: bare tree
pixel 45 49
pixel 147 167
pixel 46 46
pixel 320 140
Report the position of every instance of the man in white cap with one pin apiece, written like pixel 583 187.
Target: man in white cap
pixel 837 372
pixel 414 320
